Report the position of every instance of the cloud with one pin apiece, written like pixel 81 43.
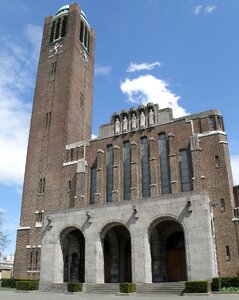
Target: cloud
pixel 197 9
pixel 147 88
pixel 94 136
pixel 207 10
pixel 210 9
pixel 17 72
pixel 102 70
pixel 235 168
pixel 144 66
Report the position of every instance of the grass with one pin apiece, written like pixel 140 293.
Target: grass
pixel 229 290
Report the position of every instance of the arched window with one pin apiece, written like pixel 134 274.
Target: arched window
pixel 145 167
pixel 164 167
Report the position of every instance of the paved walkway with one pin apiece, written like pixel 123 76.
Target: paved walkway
pixel 9 295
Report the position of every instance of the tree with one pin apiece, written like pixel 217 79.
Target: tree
pixel 3 235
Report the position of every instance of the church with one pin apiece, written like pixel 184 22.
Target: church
pixel 150 201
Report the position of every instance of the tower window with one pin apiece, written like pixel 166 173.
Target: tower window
pixel 145 167
pixel 42 185
pixel 53 67
pixel 184 171
pixel 69 186
pixel 212 122
pixel 39 218
pixel 228 253
pixel 223 207
pixel 217 161
pixel 164 169
pixel 92 185
pixel 72 154
pixel 84 35
pixel 109 175
pixel 48 120
pixel 59 28
pixel 127 171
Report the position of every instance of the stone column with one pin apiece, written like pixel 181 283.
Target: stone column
pixel 100 177
pixel 134 171
pixel 153 170
pixel 198 182
pixel 174 172
pixel 81 199
pixel 116 174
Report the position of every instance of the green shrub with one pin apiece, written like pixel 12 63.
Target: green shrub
pixel 229 282
pixel 127 287
pixel 74 287
pixel 216 284
pixel 27 285
pixel 9 282
pixel 201 286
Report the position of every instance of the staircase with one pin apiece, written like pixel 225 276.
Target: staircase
pixel 53 287
pixel 104 288
pixel 175 288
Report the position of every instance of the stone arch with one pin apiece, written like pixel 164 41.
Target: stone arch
pixel 116 244
pixel 168 251
pixel 72 243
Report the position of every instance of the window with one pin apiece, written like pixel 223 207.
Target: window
pixel 48 120
pixel 127 172
pixel 72 154
pixel 212 122
pixel 228 254
pixel 39 218
pixel 145 168
pixel 217 161
pixel 92 185
pixel 53 67
pixel 42 185
pixel 184 171
pixel 164 169
pixel 223 206
pixel 59 28
pixel 109 175
pixel 85 35
pixel 69 186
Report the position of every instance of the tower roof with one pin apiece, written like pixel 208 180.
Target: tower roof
pixel 65 8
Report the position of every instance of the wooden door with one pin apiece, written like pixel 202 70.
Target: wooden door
pixel 176 264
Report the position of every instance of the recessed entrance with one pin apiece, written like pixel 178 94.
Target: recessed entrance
pixel 73 248
pixel 167 252
pixel 116 244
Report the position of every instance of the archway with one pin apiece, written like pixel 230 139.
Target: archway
pixel 73 250
pixel 116 243
pixel 167 251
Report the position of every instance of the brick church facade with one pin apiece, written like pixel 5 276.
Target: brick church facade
pixel 150 200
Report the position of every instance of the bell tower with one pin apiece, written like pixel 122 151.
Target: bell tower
pixel 61 115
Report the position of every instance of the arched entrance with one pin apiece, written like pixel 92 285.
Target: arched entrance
pixel 116 243
pixel 73 250
pixel 167 251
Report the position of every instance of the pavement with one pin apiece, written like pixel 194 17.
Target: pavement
pixel 36 295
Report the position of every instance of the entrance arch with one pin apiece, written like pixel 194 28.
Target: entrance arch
pixel 116 243
pixel 73 251
pixel 167 251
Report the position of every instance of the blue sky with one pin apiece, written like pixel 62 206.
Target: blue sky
pixel 178 53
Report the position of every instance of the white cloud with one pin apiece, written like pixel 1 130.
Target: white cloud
pixel 235 168
pixel 94 136
pixel 144 66
pixel 18 64
pixel 102 70
pixel 210 9
pixel 197 9
pixel 148 88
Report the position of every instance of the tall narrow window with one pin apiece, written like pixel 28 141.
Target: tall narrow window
pixel 228 253
pixel 127 172
pixel 184 171
pixel 164 169
pixel 42 185
pixel 64 26
pixel 217 161
pixel 145 167
pixel 82 29
pixel 58 27
pixel 223 206
pixel 92 185
pixel 212 122
pixel 48 120
pixel 53 27
pixel 109 184
pixel 72 154
pixel 69 186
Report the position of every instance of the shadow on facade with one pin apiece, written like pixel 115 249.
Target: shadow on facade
pixel 73 250
pixel 167 251
pixel 116 243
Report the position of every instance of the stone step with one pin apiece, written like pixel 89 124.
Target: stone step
pixel 161 288
pixel 53 287
pixel 104 288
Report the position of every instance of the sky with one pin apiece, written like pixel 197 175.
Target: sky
pixel 177 53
